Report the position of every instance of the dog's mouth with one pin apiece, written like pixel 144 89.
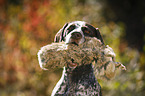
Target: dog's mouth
pixel 73 43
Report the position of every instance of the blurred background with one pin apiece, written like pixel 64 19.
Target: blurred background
pixel 27 25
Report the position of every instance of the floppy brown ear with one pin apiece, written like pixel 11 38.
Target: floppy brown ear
pixel 97 32
pixel 59 35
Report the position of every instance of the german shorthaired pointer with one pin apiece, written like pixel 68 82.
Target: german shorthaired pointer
pixel 77 80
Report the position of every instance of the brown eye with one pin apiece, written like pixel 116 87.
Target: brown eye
pixel 72 27
pixel 86 31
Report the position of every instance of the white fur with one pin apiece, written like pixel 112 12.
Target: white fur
pixel 59 83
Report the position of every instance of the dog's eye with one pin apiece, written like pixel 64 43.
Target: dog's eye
pixel 72 27
pixel 86 31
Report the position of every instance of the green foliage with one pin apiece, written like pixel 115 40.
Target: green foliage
pixel 28 25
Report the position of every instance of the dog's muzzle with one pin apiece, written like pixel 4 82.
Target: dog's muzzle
pixel 75 38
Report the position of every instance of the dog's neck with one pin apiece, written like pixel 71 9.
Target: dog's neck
pixel 80 81
pixel 84 72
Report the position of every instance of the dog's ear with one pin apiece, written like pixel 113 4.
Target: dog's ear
pixel 59 36
pixel 99 35
pixel 97 32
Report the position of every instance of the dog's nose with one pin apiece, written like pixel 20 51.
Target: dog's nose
pixel 76 35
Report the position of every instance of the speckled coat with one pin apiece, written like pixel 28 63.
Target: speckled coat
pixel 80 81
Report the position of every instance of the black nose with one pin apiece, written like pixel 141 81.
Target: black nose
pixel 76 35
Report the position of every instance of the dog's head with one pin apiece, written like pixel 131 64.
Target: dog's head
pixel 75 32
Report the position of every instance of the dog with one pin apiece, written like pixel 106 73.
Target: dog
pixel 77 80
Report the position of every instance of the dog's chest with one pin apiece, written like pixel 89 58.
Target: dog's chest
pixel 81 82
